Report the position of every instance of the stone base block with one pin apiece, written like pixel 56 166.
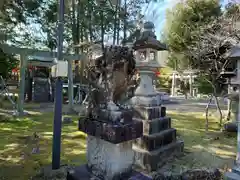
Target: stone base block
pixel 157 140
pixel 83 173
pixel 147 112
pixel 156 125
pixel 107 160
pixel 152 160
pixel 112 132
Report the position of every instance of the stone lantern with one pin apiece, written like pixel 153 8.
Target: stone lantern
pixel 230 75
pixel 147 47
pixel 158 136
pixel 235 173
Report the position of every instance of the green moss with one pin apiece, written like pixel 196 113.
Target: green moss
pixel 17 142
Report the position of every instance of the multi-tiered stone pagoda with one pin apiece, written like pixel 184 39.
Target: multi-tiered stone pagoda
pixel 159 138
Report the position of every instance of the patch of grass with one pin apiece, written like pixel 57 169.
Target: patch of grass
pixel 27 105
pixel 17 142
pixel 214 149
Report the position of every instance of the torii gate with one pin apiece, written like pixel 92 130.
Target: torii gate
pixel 45 57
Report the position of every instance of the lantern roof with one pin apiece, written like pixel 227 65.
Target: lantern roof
pixel 148 39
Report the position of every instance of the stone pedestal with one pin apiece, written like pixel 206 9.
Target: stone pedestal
pixel 109 151
pixel 157 144
pixel 107 160
pixel 159 141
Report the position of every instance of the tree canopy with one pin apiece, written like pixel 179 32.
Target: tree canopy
pixel 199 35
pixel 33 23
pixel 182 24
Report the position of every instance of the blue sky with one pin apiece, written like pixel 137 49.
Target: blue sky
pixel 157 12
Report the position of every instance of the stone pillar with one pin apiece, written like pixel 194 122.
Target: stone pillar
pixel 70 87
pixel 173 84
pixel 235 109
pixel 191 84
pixel 23 65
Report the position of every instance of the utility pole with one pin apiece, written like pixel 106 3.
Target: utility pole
pixel 57 126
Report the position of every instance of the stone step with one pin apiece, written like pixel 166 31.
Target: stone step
pixel 83 173
pixel 152 160
pixel 157 140
pixel 147 113
pixel 156 125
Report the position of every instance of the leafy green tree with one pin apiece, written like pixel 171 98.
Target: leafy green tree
pixel 164 80
pixel 7 63
pixel 14 17
pixel 204 35
pixel 204 87
pixel 182 24
pixel 232 9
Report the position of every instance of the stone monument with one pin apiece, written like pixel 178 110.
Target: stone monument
pixel 159 138
pixel 230 74
pixel 41 83
pixel 109 124
pixel 232 126
pixel 41 87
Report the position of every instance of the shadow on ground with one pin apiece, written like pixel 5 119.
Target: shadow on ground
pixel 214 149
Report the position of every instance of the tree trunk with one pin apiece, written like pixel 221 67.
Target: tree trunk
pixel 90 29
pixel 125 22
pixel 81 14
pixel 216 100
pixel 115 23
pixel 206 114
pixel 75 26
pixel 118 22
pixel 75 35
pixel 186 94
pixel 229 104
pixel 219 110
pixel 102 30
pixel 229 110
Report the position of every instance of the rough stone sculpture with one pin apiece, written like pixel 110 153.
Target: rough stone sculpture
pixel 109 75
pixel 106 120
